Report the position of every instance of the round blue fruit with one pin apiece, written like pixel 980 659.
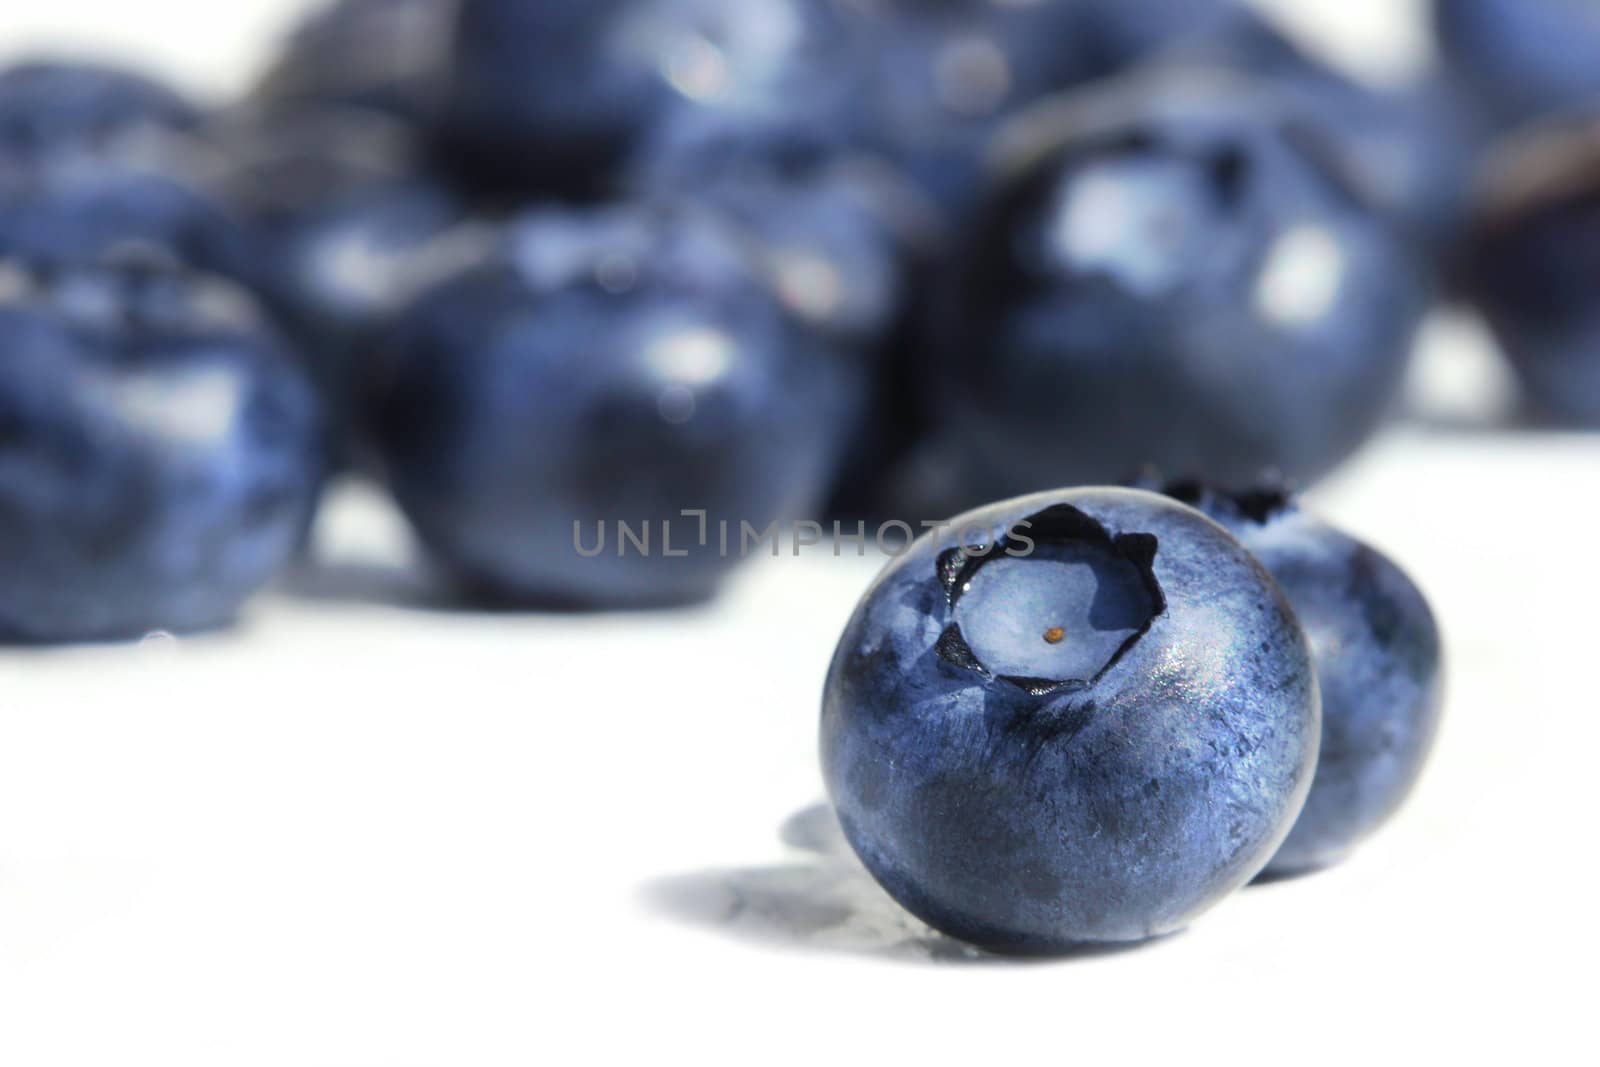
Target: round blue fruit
pixel 606 368
pixel 1080 717
pixel 160 454
pixel 1379 664
pixel 1173 272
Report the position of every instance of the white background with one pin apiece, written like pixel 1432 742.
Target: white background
pixel 354 832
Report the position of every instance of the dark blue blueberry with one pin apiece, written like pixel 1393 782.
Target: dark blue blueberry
pixel 1409 147
pixel 1118 33
pixel 1080 717
pixel 617 366
pixel 1378 657
pixel 836 231
pixel 349 223
pixel 943 75
pixel 159 452
pixel 390 55
pixel 48 108
pixel 1534 269
pixel 560 96
pixel 75 209
pixel 1522 60
pixel 1173 272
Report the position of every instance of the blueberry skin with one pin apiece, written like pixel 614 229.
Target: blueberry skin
pixel 1409 147
pixel 1534 270
pixel 388 55
pixel 944 75
pixel 1379 659
pixel 76 210
pixel 1173 272
pixel 1522 60
pixel 1115 804
pixel 160 454
pixel 349 223
pixel 559 97
pixel 605 367
pixel 47 108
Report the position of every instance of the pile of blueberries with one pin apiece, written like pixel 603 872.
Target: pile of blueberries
pixel 539 263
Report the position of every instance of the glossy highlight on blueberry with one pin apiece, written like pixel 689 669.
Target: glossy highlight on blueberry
pixel 1155 766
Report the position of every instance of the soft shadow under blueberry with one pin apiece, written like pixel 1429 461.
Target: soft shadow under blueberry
pixel 824 900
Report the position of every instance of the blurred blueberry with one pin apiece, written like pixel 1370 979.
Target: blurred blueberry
pixel 560 96
pixel 944 74
pixel 1174 271
pixel 1409 146
pixel 1121 33
pixel 350 224
pixel 389 55
pixel 48 108
pixel 74 209
pixel 1079 717
pixel 1378 656
pixel 159 452
pixel 844 239
pixel 1522 60
pixel 1534 267
pixel 621 365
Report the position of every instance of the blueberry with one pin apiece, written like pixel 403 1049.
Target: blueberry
pixel 1118 34
pixel 390 55
pixel 943 75
pixel 73 209
pixel 1522 60
pixel 560 96
pixel 48 108
pixel 1409 146
pixel 1175 272
pixel 835 230
pixel 615 366
pixel 1079 717
pixel 1534 268
pixel 159 452
pixel 1378 657
pixel 349 224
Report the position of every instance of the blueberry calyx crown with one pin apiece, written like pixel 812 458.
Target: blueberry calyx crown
pixel 1052 604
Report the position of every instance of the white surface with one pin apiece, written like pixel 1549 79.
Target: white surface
pixel 355 833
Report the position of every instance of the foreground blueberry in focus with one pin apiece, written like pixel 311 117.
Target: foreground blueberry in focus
pixel 1088 726
pixel 159 452
pixel 1173 272
pixel 1522 60
pixel 605 368
pixel 1534 268
pixel 559 96
pixel 48 108
pixel 390 55
pixel 1378 656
